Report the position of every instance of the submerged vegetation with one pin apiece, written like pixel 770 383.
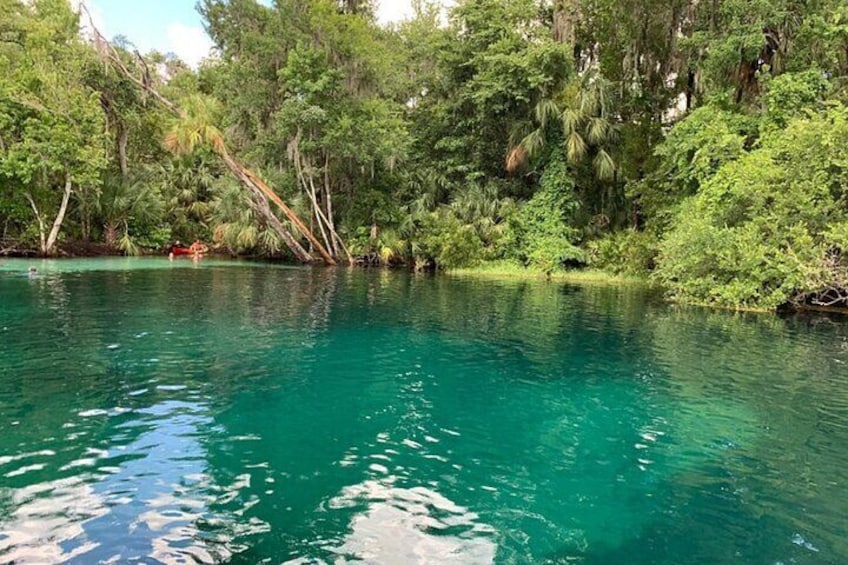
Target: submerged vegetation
pixel 700 145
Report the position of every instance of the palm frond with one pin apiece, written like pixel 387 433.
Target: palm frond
pixel 546 110
pixel 127 245
pixel 248 236
pixel 604 165
pixel 589 103
pixel 195 127
pixel 575 147
pixel 571 120
pixel 534 142
pixel 598 130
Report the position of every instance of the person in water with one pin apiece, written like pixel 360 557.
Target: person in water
pixel 172 247
pixel 177 248
pixel 198 249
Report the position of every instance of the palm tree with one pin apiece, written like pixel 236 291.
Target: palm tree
pixel 125 201
pixel 187 186
pixel 192 128
pixel 235 225
pixel 581 110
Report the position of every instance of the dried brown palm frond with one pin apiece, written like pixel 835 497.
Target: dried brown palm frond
pixel 516 159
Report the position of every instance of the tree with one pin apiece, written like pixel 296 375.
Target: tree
pixel 582 112
pixel 53 129
pixel 768 227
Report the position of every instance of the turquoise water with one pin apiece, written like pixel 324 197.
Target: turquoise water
pixel 236 412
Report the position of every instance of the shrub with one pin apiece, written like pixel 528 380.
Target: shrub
pixel 695 149
pixel 541 232
pixel 759 230
pixel 447 242
pixel 629 252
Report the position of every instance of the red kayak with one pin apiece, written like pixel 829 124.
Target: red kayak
pixel 177 251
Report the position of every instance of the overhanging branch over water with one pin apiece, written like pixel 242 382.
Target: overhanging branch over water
pixel 260 191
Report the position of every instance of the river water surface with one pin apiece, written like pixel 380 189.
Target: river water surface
pixel 234 412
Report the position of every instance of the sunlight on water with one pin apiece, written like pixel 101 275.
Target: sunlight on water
pixel 415 525
pixel 238 412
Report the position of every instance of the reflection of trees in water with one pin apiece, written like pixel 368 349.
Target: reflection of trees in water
pixel 413 321
pixel 537 318
pixel 788 375
pixel 321 297
pixel 731 384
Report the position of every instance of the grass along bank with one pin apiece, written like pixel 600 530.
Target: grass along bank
pixel 507 269
pixel 510 270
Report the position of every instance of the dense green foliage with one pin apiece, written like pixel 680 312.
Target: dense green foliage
pixel 699 143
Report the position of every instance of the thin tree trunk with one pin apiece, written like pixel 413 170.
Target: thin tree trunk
pixel 46 240
pixel 60 216
pixel 713 15
pixel 674 31
pixel 322 218
pixel 85 222
pixel 42 236
pixel 566 20
pixel 123 138
pixel 318 214
pixel 328 199
pixel 309 188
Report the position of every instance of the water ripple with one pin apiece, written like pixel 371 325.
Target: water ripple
pixel 260 414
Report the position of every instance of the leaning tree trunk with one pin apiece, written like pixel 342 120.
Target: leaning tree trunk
pixel 308 186
pixel 252 182
pixel 263 208
pixel 60 217
pixel 313 197
pixel 304 171
pixel 48 240
pixel 42 231
pixel 324 220
pixel 328 198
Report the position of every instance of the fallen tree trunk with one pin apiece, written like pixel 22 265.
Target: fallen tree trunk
pixel 255 183
pixel 263 207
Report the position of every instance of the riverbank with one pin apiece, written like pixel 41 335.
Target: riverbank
pixel 506 269
pixel 67 249
pixel 496 270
